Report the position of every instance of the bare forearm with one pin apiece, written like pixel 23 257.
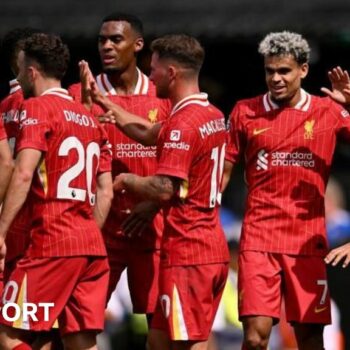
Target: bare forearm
pixel 16 195
pixel 5 176
pixel 155 188
pixel 101 209
pixel 133 126
pixel 104 196
pixel 226 175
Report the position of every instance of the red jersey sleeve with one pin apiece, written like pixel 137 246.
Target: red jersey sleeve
pixel 105 163
pixel 342 117
pixel 178 143
pixel 235 137
pixel 34 126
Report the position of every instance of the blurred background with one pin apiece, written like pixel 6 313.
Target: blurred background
pixel 230 31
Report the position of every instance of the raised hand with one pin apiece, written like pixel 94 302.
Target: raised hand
pixel 86 79
pixel 340 81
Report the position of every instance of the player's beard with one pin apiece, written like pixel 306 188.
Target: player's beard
pixel 111 70
pixel 28 91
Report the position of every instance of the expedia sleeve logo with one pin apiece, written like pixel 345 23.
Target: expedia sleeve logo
pixel 175 135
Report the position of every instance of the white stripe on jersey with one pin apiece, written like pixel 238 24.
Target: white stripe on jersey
pixel 14 86
pixel 58 92
pixel 107 88
pixel 199 99
pixel 303 104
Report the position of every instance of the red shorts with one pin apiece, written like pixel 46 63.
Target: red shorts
pixel 188 300
pixel 9 267
pixel 143 272
pixel 76 287
pixel 264 278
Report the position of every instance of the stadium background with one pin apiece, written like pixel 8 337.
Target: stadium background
pixel 229 30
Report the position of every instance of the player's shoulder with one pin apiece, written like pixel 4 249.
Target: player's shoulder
pixel 11 99
pixel 327 105
pixel 249 106
pixel 195 115
pixel 74 90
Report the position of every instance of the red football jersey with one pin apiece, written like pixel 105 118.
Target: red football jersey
pixel 75 149
pixel 17 238
pixel 288 154
pixel 191 147
pixel 130 156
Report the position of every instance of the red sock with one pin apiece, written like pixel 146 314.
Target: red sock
pixel 22 346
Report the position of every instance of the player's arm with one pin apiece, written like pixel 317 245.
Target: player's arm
pixel 26 163
pixel 157 188
pixel 132 125
pixel 104 196
pixel 228 166
pixel 6 167
pixel 338 254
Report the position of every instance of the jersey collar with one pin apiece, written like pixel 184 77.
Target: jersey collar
pixel 58 92
pixel 14 86
pixel 107 88
pixel 302 105
pixel 199 99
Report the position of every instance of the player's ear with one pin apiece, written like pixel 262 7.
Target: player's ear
pixel 139 43
pixel 172 71
pixel 32 73
pixel 304 68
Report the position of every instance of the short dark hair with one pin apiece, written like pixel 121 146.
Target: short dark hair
pixel 133 20
pixel 49 52
pixel 184 49
pixel 13 40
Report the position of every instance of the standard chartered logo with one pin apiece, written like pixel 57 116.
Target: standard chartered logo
pixel 262 162
pixel 282 159
pixel 135 150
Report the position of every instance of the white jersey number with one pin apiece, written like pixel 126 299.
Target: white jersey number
pixel 218 157
pixel 85 161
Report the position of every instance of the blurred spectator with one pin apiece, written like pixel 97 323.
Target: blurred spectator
pixel 338 231
pixel 227 331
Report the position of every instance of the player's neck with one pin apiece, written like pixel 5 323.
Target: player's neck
pixel 290 102
pixel 45 84
pixel 124 82
pixel 183 90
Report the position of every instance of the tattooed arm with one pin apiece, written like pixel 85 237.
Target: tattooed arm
pixel 157 188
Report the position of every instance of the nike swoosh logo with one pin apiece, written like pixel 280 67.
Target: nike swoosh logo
pixel 259 131
pixel 318 310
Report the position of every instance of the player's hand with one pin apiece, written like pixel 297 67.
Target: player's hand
pixel 86 79
pixel 140 218
pixel 340 81
pixel 118 183
pixel 338 254
pixel 108 117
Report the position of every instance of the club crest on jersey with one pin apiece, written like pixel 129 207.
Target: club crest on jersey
pixel 152 115
pixel 175 135
pixel 309 129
